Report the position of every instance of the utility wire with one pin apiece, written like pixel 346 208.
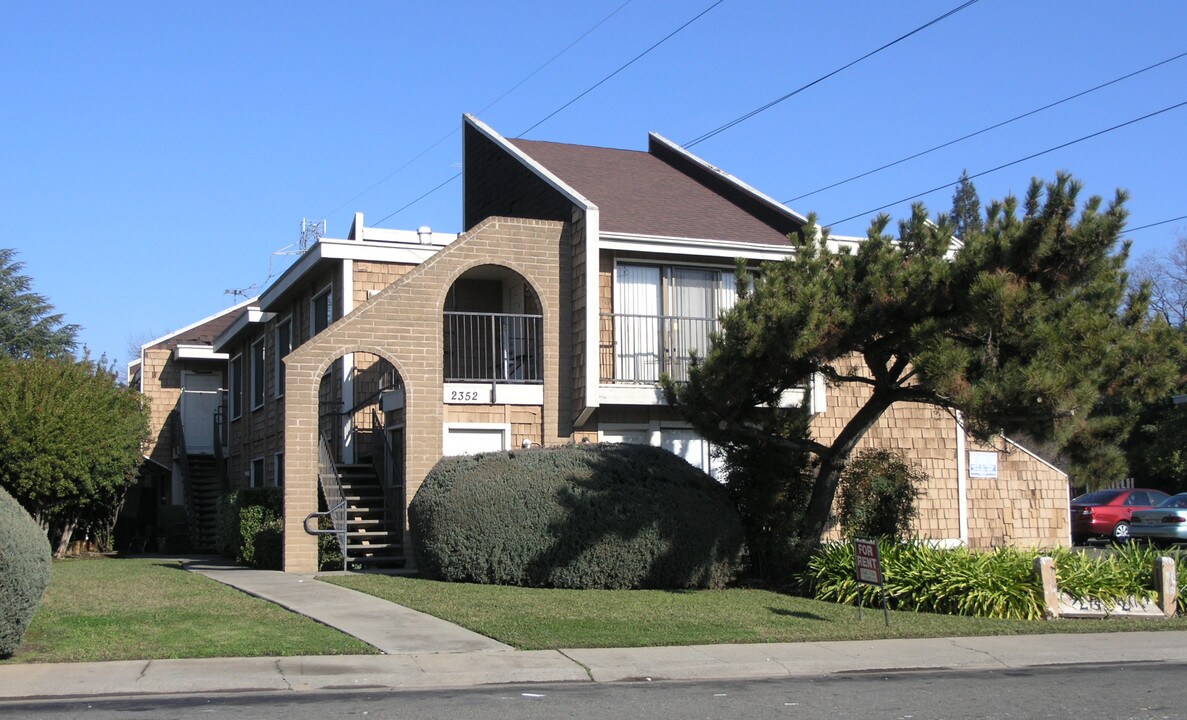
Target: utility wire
pixel 1155 224
pixel 1013 162
pixel 488 106
pixel 562 107
pixel 624 67
pixel 985 130
pixel 712 133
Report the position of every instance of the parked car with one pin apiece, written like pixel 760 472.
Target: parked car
pixel 1164 525
pixel 1106 513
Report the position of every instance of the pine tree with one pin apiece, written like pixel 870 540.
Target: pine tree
pixel 966 208
pixel 1026 327
pixel 28 325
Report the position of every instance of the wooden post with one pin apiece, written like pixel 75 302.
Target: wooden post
pixel 1166 582
pixel 1044 568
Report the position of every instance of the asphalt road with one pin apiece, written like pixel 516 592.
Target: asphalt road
pixel 1083 692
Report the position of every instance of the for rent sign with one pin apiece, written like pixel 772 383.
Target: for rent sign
pixel 869 565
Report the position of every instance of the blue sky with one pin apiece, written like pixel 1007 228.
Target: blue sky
pixel 156 155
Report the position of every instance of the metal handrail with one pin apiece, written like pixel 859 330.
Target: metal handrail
pixel 645 346
pixel 220 460
pixel 331 486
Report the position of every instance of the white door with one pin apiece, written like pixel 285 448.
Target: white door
pixel 201 397
pixel 471 441
pixel 688 445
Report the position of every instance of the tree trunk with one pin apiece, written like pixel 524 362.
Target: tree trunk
pixel 833 463
pixel 64 539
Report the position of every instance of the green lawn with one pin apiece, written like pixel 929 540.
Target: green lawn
pixel 533 619
pixel 132 609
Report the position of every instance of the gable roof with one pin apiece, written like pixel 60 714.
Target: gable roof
pixel 664 192
pixel 202 332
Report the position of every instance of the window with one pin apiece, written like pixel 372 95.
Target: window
pixel 284 345
pixel 662 315
pixel 235 387
pixel 257 374
pixel 278 470
pixel 322 311
pixel 257 473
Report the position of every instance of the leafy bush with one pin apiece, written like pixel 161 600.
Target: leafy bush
pixel 996 584
pixel 878 491
pixel 24 571
pixel 250 527
pixel 600 516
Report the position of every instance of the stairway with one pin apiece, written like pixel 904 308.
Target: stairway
pixel 205 489
pixel 372 542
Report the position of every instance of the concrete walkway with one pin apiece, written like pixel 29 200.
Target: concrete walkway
pixel 424 652
pixel 392 629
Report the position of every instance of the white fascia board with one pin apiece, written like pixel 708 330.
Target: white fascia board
pixel 251 317
pixel 193 325
pixel 693 246
pixel 758 195
pixel 411 253
pixel 406 237
pixel 198 352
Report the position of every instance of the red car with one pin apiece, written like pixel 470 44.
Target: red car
pixel 1106 513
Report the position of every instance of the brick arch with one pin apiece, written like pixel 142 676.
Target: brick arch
pixel 517 268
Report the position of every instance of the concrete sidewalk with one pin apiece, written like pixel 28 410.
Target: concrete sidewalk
pixel 425 652
pixel 706 662
pixel 389 627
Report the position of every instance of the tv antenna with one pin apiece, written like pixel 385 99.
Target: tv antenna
pixel 311 232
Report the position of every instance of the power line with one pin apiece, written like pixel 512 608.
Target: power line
pixel 822 78
pixel 1013 162
pixel 624 67
pixel 985 130
pixel 1156 224
pixel 562 107
pixel 488 106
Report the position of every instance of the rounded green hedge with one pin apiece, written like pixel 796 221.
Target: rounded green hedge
pixel 24 571
pixel 591 516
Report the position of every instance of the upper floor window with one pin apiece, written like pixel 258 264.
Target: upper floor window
pixel 662 315
pixel 493 329
pixel 235 387
pixel 322 311
pixel 284 345
pixel 257 373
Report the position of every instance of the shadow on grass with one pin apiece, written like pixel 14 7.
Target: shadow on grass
pixel 798 614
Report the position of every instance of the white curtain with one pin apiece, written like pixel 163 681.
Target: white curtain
pixel 636 323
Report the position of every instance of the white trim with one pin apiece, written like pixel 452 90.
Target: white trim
pixel 631 394
pixel 1033 455
pixel 349 449
pixel 198 352
pixel 411 253
pixel 709 247
pixel 962 480
pixel 713 169
pixel 252 316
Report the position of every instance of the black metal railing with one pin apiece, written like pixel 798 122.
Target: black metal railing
pixel 494 347
pixel 220 459
pixel 639 348
pixel 389 468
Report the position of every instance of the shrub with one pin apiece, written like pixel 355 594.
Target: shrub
pixel 878 491
pixel 996 584
pixel 250 527
pixel 24 571
pixel 173 522
pixel 600 516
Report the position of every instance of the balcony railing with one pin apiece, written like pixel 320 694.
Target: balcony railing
pixel 493 347
pixel 639 348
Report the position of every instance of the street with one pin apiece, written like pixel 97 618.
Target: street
pixel 1085 692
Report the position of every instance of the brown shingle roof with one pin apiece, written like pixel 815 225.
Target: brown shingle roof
pixel 638 192
pixel 204 333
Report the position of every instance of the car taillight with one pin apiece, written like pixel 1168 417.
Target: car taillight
pixel 1174 519
pixel 1086 512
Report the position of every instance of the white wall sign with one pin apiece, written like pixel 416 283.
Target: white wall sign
pixel 982 464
